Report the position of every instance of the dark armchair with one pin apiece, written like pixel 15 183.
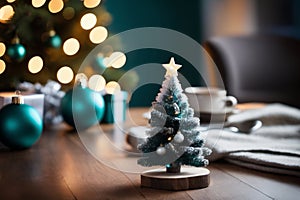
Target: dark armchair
pixel 258 68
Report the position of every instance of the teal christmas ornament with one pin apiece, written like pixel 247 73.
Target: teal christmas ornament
pixel 100 62
pixel 54 40
pixel 16 52
pixel 20 124
pixel 82 107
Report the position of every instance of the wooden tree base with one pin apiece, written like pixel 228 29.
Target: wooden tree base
pixel 188 178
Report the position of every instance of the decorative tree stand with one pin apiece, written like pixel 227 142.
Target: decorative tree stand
pixel 188 178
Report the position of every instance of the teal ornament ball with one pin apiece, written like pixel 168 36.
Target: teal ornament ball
pixel 16 52
pixel 20 126
pixel 100 63
pixel 54 41
pixel 82 108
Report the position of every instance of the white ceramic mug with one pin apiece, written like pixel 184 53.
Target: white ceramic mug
pixel 210 100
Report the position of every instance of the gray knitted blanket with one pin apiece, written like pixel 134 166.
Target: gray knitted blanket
pixel 274 148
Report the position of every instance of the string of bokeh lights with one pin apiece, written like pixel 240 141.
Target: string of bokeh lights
pixel 71 46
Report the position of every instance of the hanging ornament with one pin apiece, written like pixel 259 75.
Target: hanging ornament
pixel 53 39
pixel 168 133
pixel 172 109
pixel 16 51
pixel 161 151
pixel 179 137
pixel 170 98
pixel 20 124
pixel 82 107
pixel 100 63
pixel 176 109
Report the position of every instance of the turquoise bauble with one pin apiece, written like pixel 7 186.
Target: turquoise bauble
pixel 100 63
pixel 20 126
pixel 16 52
pixel 54 41
pixel 82 107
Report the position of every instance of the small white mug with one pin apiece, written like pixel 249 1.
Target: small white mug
pixel 210 100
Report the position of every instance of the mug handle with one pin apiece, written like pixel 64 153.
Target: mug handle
pixel 230 102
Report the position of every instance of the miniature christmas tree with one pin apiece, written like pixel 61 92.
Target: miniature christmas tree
pixel 174 134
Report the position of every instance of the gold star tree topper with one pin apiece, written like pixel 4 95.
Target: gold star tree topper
pixel 171 68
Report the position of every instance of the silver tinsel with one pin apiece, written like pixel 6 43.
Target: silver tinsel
pixel 53 96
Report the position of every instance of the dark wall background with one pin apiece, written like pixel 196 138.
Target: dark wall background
pixel 272 16
pixel 182 16
pixel 278 17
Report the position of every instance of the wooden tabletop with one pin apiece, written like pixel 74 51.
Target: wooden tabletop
pixel 60 166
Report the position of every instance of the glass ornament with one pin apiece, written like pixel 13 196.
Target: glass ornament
pixel 20 124
pixel 82 107
pixel 16 52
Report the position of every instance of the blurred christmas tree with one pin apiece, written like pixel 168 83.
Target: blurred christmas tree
pixel 174 135
pixel 42 40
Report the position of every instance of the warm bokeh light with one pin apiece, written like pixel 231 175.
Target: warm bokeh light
pixel 88 21
pixel 91 3
pixel 38 3
pixel 71 46
pixel 2 66
pixel 98 34
pixel 2 49
pixel 112 87
pixel 117 59
pixel 10 1
pixel 97 82
pixel 68 13
pixel 65 75
pixel 35 64
pixel 6 13
pixel 88 70
pixel 55 6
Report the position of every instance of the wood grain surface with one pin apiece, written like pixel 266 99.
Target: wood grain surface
pixel 59 166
